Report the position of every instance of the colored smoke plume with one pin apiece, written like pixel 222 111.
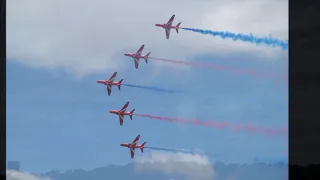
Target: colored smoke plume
pixel 236 127
pixel 153 88
pixel 220 68
pixel 243 37
pixel 158 89
pixel 172 150
pixel 186 151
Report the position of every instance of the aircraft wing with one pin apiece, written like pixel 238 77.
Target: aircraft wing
pixel 167 33
pixel 109 87
pixel 124 107
pixel 132 152
pixel 136 63
pixel 170 20
pixel 113 76
pixel 140 50
pixel 121 120
pixel 135 141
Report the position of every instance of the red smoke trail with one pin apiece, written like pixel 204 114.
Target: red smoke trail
pixel 221 68
pixel 236 127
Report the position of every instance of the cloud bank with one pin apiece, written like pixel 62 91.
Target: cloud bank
pixel 15 175
pixel 83 37
pixel 191 166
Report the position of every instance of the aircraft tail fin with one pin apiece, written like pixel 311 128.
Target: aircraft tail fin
pixel 178 26
pixel 146 57
pixel 142 146
pixel 131 113
pixel 119 84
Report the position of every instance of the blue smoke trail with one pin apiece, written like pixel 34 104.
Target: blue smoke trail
pixel 222 156
pixel 171 151
pixel 243 37
pixel 181 151
pixel 163 149
pixel 167 90
pixel 174 150
pixel 154 88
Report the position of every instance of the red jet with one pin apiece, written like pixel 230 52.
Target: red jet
pixel 109 83
pixel 169 26
pixel 121 113
pixel 136 56
pixel 134 145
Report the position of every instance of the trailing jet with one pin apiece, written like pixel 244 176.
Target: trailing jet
pixel 136 56
pixel 109 83
pixel 121 113
pixel 132 146
pixel 168 26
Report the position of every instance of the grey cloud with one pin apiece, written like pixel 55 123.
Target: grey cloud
pixel 191 166
pixel 83 37
pixel 15 175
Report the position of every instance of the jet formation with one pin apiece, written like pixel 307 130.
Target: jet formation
pixel 110 82
pixel 136 56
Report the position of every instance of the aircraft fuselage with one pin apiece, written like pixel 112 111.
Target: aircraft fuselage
pixel 106 82
pixel 117 112
pixel 166 26
pixel 129 146
pixel 133 55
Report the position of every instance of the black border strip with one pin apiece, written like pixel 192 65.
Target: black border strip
pixel 304 90
pixel 3 89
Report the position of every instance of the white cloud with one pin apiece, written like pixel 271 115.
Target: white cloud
pixel 192 166
pixel 84 37
pixel 15 175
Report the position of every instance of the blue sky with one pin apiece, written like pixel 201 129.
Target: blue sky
pixel 56 121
